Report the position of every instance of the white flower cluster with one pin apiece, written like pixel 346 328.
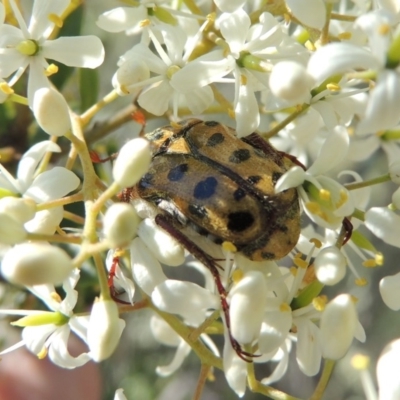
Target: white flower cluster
pixel 319 79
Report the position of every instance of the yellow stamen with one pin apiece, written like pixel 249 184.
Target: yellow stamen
pixel 58 22
pixel 243 80
pixel 360 362
pixel 173 69
pixel 229 246
pixel 293 271
pixel 145 22
pixel 324 194
pixel 384 29
pixel 42 353
pixel 333 87
pixel 51 70
pixel 343 198
pixel 379 259
pixel 316 242
pixel 5 88
pixel 369 263
pixel 361 282
pixel 319 303
pixel 56 297
pixel 27 47
pixel 310 46
pixel 300 263
pixel 237 276
pixel 345 35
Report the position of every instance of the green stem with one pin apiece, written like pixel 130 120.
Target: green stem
pixel 324 380
pixel 363 184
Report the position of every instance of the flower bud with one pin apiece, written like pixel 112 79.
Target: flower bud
pixel 387 371
pixel 22 210
pixel 51 111
pixel 338 327
pixel 11 230
pixel 389 287
pixel 120 224
pixel 330 265
pixel 166 249
pixel 249 294
pixel 132 162
pixel 290 81
pixel 394 172
pixel 32 264
pixel 105 329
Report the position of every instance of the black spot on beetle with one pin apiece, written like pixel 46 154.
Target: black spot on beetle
pixel 215 139
pixel 267 255
pixel 156 135
pixel 211 123
pixel 197 211
pixel 238 194
pixel 239 156
pixel 275 177
pixel 282 228
pixel 254 179
pixel 205 189
pixel 239 221
pixel 145 182
pixel 177 173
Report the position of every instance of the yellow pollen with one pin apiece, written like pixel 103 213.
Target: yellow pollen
pixel 369 263
pixel 361 282
pixel 231 113
pixel 360 362
pixel 298 255
pixel 211 17
pixel 56 297
pixel 316 242
pixel 379 259
pixel 243 80
pixel 284 307
pixel 343 198
pixel 5 88
pixel 237 276
pixel 175 124
pixel 300 263
pixel 350 130
pixel 354 299
pixel 384 29
pixel 313 207
pixel 143 23
pixel 293 271
pixel 42 353
pixel 124 89
pixel 324 194
pixel 310 46
pixel 51 70
pixel 211 376
pixel 319 303
pixel 58 22
pixel 345 36
pixel 333 87
pixel 229 246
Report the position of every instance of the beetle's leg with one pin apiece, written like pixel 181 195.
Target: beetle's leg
pixel 167 224
pixel 255 140
pixel 113 291
pixel 348 227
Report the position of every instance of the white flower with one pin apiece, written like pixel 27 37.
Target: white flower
pixel 29 46
pixel 339 326
pixel 119 395
pixel 47 332
pixel 385 224
pixel 389 287
pixel 387 371
pixel 42 188
pixel 157 97
pixel 104 329
pixel 309 12
pixel 132 162
pixel 330 265
pixel 33 264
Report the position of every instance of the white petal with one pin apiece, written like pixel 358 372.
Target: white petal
pixel 122 18
pixel 35 337
pixel 119 395
pixel 37 78
pixel 333 151
pixel 79 51
pixel 387 370
pixel 130 72
pixel 338 324
pixel 181 353
pixel 336 58
pixel 20 210
pixel 30 160
pixel 156 98
pixel 166 249
pixel 187 299
pixel 235 369
pixel 199 99
pixel 229 5
pixel 381 112
pixel 146 269
pixel 362 149
pixel 45 221
pixel 51 111
pixel 246 111
pixel 310 12
pixel 281 368
pixel 384 224
pixel 46 186
pixel 292 178
pixel 234 28
pixel 11 231
pixel 163 333
pixel 308 352
pixel 389 287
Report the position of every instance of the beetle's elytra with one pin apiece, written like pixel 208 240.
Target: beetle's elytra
pixel 224 185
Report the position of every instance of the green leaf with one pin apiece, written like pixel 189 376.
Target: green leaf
pixel 89 87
